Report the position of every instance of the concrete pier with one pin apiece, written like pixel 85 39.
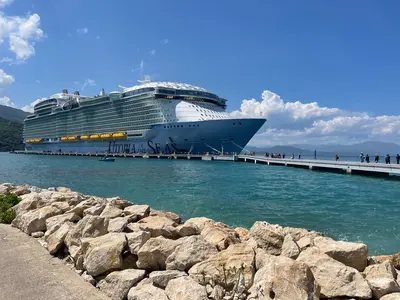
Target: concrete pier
pixel 345 167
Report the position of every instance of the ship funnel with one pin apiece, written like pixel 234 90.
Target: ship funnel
pixel 102 93
pixel 76 93
pixel 65 91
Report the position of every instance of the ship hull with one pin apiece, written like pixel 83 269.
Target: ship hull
pixel 228 135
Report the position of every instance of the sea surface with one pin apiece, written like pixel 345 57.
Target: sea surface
pixel 346 207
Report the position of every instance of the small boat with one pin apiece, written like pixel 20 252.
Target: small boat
pixel 105 158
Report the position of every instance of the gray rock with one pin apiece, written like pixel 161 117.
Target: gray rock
pixel 138 211
pixel 225 267
pixel 146 291
pixel 118 224
pixel 56 240
pixel 117 284
pixel 88 278
pixel 82 206
pixel 119 202
pixel 53 223
pixel 136 240
pixel 64 206
pixel 219 235
pixel 20 190
pixel 267 236
pixel 29 202
pixel 95 210
pixel 394 296
pixel 335 278
pixel 161 278
pixel 35 220
pixel 354 255
pixel 170 215
pixel 187 229
pixel 284 278
pixel 217 293
pixel 290 248
pixel 191 251
pixel 159 226
pixel 382 279
pixel 153 254
pixel 37 234
pixel 199 223
pixel 185 288
pixel 103 253
pixel 111 212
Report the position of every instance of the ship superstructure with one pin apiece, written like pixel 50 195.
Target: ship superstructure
pixel 156 117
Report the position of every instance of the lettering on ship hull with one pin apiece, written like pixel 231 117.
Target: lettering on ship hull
pixel 155 148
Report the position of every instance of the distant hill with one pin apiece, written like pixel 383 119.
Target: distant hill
pixel 10 135
pixel 12 114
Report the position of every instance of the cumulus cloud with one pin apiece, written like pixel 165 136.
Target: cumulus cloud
pixel 5 79
pixel 7 102
pixel 82 31
pixel 88 82
pixel 298 122
pixel 21 33
pixel 29 107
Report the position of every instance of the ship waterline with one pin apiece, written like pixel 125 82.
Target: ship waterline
pixel 155 117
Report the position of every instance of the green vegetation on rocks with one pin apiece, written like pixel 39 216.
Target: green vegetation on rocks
pixel 7 201
pixel 10 135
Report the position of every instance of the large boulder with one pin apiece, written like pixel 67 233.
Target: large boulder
pixel 117 284
pixel 191 251
pixel 103 253
pixel 161 278
pixel 111 212
pixel 48 197
pixel 242 232
pixel 20 190
pixel 145 290
pixel 220 235
pixel 285 279
pixel 28 202
pixel 170 215
pixel 394 259
pixel 185 288
pixel 53 223
pixel 159 226
pixel 35 220
pixel 394 296
pixel 136 240
pixel 335 278
pixel 153 254
pixel 119 202
pixel 382 279
pixel 289 247
pixel 226 267
pixel 137 211
pixel 267 236
pixel 56 240
pixel 94 210
pixel 199 223
pixel 5 188
pixel 187 229
pixel 354 255
pixel 118 224
pixel 82 206
pixel 299 233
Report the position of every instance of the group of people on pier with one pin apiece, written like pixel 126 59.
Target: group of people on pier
pixel 387 158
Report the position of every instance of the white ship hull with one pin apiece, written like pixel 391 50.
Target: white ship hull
pixel 228 135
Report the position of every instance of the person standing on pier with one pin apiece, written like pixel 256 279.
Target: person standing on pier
pixel 387 159
pixel 336 157
pixel 367 158
pixel 398 158
pixel 376 157
pixel 362 157
pixel 283 155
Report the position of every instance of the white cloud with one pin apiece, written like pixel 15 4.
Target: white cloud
pixel 7 102
pixel 88 82
pixel 5 79
pixel 164 41
pixel 82 31
pixel 6 60
pixel 4 3
pixel 152 52
pixel 139 68
pixel 298 122
pixel 22 33
pixel 29 107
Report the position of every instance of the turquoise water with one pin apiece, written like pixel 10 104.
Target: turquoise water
pixel 347 207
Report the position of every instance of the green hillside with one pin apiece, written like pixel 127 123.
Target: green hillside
pixel 10 135
pixel 12 114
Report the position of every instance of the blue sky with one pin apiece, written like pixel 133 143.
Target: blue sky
pixel 344 55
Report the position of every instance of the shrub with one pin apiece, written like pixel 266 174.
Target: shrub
pixel 7 201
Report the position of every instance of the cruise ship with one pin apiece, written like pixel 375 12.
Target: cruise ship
pixel 151 117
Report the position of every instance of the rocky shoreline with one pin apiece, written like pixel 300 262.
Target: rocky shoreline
pixel 134 252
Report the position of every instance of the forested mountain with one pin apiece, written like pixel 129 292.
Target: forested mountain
pixel 10 135
pixel 12 114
